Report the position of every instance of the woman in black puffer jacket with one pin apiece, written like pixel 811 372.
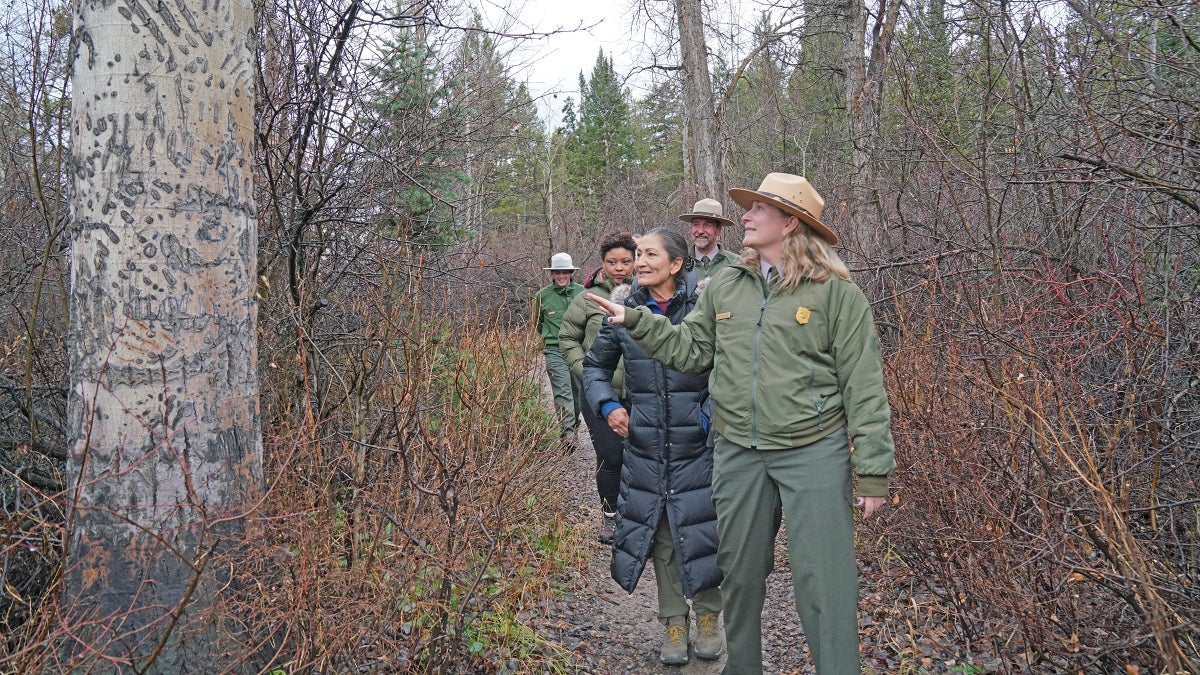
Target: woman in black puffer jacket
pixel 665 503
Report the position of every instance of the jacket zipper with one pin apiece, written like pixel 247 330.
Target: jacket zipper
pixel 754 373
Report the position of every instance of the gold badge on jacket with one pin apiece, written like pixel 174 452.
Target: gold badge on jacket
pixel 803 314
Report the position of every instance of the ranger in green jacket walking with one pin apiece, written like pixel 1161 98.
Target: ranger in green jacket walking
pixel 549 306
pixel 797 375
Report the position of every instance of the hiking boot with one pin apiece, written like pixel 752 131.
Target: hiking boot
pixel 710 640
pixel 608 528
pixel 566 443
pixel 675 645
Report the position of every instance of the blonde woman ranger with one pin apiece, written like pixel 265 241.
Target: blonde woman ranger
pixel 796 377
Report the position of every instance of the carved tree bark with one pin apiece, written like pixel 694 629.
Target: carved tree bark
pixel 164 392
pixel 705 150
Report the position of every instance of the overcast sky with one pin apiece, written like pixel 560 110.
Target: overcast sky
pixel 551 65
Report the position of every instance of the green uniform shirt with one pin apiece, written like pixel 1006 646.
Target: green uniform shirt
pixel 707 267
pixel 549 306
pixel 788 368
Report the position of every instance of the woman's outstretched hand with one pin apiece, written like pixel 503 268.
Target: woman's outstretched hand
pixel 615 312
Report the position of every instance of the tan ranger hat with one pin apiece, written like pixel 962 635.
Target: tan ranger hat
pixel 706 208
pixel 792 194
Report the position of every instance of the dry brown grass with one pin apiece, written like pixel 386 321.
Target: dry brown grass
pixel 412 527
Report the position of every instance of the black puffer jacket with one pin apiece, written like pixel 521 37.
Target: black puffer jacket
pixel 667 462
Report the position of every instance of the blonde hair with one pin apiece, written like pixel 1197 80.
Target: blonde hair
pixel 805 256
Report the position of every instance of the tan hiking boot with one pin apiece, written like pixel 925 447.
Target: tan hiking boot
pixel 675 645
pixel 710 639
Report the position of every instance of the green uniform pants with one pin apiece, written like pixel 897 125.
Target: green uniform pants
pixel 567 397
pixel 671 602
pixel 811 485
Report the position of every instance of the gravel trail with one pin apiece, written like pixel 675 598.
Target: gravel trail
pixel 611 631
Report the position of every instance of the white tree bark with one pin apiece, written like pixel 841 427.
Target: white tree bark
pixel 164 392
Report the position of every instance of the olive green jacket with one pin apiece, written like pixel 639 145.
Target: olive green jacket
pixel 788 368
pixel 718 262
pixel 549 306
pixel 580 326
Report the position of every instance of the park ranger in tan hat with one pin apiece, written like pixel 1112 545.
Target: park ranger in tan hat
pixel 796 376
pixel 707 221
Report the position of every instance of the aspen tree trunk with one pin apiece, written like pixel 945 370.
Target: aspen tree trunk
pixel 698 100
pixel 164 393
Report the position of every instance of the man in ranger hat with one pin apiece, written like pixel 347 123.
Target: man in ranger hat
pixel 549 306
pixel 707 221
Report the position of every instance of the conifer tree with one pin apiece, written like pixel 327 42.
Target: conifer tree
pixel 418 142
pixel 604 146
pixel 498 126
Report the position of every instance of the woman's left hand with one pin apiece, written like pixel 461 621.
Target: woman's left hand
pixel 619 421
pixel 870 505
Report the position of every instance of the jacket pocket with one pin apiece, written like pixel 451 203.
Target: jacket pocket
pixel 818 404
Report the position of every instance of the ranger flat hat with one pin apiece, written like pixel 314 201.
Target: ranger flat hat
pixel 794 195
pixel 706 208
pixel 561 262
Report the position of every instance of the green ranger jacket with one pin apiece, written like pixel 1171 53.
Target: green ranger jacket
pixel 788 367
pixel 549 306
pixel 580 326
pixel 721 260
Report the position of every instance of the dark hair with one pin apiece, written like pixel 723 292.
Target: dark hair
pixel 677 247
pixel 617 240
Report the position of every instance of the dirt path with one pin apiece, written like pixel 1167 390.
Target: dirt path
pixel 609 631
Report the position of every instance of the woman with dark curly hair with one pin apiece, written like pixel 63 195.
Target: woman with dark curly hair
pixel 580 326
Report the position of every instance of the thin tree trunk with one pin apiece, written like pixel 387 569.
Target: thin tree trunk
pixel 864 98
pixel 164 391
pixel 698 100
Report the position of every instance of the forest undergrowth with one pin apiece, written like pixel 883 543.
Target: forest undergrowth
pixel 419 522
pixel 404 533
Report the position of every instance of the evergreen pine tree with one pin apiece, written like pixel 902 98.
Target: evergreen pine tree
pixel 419 142
pixel 603 147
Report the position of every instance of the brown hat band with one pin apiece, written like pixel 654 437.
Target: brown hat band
pixel 706 214
pixel 789 202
